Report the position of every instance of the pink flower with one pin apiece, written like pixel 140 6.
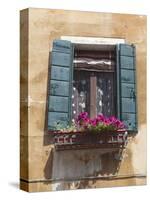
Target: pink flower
pixel 101 118
pixel 93 122
pixel 83 121
pixel 82 116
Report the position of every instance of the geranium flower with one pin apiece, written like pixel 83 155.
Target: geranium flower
pixel 99 123
pixel 94 122
pixel 101 118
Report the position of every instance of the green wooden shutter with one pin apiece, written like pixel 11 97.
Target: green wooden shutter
pixel 60 90
pixel 126 86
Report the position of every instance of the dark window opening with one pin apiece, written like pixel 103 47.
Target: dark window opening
pixel 94 86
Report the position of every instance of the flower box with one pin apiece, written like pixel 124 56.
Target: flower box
pixel 98 132
pixel 84 139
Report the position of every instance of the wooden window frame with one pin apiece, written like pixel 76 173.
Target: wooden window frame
pixel 93 71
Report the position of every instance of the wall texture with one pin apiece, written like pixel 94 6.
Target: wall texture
pixel 41 168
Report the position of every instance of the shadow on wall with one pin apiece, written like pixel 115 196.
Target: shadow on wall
pixel 47 137
pixel 80 164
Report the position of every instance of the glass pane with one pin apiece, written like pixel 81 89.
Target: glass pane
pixel 105 94
pixel 81 91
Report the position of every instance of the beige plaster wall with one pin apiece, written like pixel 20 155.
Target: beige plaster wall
pixel 43 169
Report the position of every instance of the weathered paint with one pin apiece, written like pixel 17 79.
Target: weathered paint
pixel 60 81
pixel 127 93
pixel 39 27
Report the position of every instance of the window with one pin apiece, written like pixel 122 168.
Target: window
pixel 93 81
pixel 94 78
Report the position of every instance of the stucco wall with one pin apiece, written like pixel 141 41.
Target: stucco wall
pixel 43 169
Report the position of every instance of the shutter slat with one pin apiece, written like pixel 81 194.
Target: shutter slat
pixel 60 73
pixel 127 90
pixel 128 105
pixel 60 91
pixel 126 50
pixel 127 76
pixel 59 88
pixel 62 46
pixel 62 59
pixel 127 62
pixel 57 118
pixel 58 104
pixel 127 86
pixel 129 120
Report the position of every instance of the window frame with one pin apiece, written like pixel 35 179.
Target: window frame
pixel 107 54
